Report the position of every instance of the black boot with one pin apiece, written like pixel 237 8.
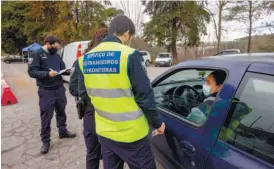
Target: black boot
pixel 67 135
pixel 45 148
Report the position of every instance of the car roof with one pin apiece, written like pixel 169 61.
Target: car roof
pixel 164 53
pixel 245 57
pixel 230 61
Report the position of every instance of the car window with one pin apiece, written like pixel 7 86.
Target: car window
pixel 185 75
pixel 250 122
pixel 181 94
pixel 163 55
pixel 229 52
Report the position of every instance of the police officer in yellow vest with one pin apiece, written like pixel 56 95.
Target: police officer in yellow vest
pixel 124 103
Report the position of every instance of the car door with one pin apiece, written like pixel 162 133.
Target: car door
pixel 186 144
pixel 246 140
pixel 12 58
pixel 18 58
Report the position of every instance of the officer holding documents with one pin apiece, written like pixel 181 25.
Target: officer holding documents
pixel 46 66
pixel 122 97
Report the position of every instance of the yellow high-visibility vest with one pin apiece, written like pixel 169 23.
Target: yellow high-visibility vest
pixel 117 115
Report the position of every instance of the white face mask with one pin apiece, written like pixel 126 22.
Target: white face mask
pixel 206 90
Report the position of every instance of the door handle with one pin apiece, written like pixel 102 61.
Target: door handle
pixel 188 148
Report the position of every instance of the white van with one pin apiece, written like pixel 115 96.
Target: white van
pixel 146 56
pixel 71 52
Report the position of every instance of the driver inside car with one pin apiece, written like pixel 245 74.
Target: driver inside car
pixel 212 86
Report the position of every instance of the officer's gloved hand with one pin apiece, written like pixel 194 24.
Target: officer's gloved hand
pixel 81 108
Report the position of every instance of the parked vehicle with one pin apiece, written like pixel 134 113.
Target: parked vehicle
pixel 71 52
pixel 13 58
pixel 25 57
pixel 146 56
pixel 239 130
pixel 163 59
pixel 229 52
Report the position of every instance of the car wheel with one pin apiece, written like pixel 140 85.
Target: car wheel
pixel 147 63
pixel 170 64
pixel 156 65
pixel 7 62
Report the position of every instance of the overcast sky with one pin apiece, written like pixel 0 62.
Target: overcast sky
pixel 232 30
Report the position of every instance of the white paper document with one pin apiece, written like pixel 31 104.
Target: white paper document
pixel 62 71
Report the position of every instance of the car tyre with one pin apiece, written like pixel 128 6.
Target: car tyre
pixel 7 62
pixel 147 63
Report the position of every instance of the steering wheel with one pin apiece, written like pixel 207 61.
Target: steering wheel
pixel 186 103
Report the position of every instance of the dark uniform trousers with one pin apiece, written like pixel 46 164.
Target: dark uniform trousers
pixel 50 100
pixel 138 155
pixel 93 147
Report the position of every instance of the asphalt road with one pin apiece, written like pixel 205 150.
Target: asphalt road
pixel 20 126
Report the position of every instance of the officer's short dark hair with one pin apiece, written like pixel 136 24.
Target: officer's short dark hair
pixel 219 76
pixel 120 24
pixel 51 39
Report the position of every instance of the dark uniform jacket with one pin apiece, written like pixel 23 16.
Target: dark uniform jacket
pixel 40 63
pixel 141 88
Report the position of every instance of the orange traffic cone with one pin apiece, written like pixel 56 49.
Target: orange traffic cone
pixel 7 96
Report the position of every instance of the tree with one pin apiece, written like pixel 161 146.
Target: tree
pixel 173 21
pixel 133 9
pixel 221 5
pixel 13 17
pixel 70 21
pixel 91 15
pixel 26 22
pixel 41 19
pixel 218 26
pixel 246 12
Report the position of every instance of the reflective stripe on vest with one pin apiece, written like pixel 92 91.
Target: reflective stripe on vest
pixel 110 93
pixel 120 116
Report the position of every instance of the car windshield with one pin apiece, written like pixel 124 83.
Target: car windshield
pixel 143 53
pixel 163 55
pixel 186 76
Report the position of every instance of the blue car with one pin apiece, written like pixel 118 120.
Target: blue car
pixel 236 132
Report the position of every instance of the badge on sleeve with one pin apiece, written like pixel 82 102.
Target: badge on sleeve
pixel 30 60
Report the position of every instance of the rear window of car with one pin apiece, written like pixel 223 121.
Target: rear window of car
pixel 163 55
pixel 143 53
